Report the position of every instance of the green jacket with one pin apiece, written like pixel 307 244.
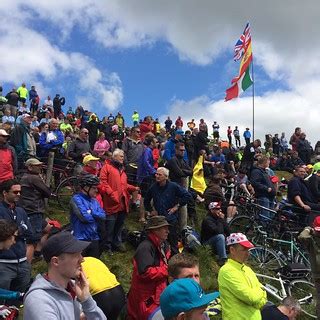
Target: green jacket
pixel 241 293
pixel 312 244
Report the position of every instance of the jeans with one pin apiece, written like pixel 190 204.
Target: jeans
pixel 218 243
pixel 114 225
pixel 15 277
pixel 267 203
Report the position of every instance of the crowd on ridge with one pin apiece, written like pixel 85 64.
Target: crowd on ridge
pixel 159 170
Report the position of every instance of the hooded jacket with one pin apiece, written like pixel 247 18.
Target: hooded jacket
pixel 8 162
pixel 77 148
pixel 46 300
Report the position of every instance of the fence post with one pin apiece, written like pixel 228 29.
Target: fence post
pixel 49 172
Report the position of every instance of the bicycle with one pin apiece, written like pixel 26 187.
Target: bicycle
pixel 281 286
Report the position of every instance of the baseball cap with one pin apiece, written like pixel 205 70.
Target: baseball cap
pixel 88 158
pixel 33 162
pixel 183 295
pixel 62 242
pixel 316 223
pixel 4 133
pixel 156 222
pixel 239 238
pixel 214 205
pixel 179 131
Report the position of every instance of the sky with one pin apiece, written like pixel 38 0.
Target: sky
pixel 168 58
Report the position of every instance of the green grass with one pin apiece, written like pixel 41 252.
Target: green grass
pixel 121 263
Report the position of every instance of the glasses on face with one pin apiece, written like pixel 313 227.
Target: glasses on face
pixel 85 133
pixel 137 131
pixel 4 136
pixel 182 150
pixel 16 192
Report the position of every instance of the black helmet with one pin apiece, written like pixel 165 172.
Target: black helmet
pixel 88 180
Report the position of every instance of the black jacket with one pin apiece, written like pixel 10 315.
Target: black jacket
pixel 212 226
pixel 33 193
pixel 178 169
pixel 19 216
pixel 260 181
pixel 77 148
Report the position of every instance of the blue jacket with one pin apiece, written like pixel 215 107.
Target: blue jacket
pixel 145 165
pixel 19 216
pixel 46 146
pixel 84 213
pixel 165 198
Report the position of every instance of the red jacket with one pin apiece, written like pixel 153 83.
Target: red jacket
pixel 149 278
pixel 145 127
pixel 7 163
pixel 114 188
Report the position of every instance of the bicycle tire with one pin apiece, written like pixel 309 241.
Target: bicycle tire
pixel 262 259
pixel 243 224
pixel 65 190
pixel 305 292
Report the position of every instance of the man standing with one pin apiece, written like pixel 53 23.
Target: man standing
pixel 8 159
pixel 229 135
pixel 242 295
pixel 216 128
pixel 236 135
pixel 150 270
pixel 33 194
pixel 168 124
pixel 214 229
pixel 57 104
pixel 247 136
pixel 14 267
pixel 248 155
pixel 23 93
pixel 167 198
pixel 264 189
pixel 135 118
pixel 55 295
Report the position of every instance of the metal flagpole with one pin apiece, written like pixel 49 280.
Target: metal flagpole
pixel 252 99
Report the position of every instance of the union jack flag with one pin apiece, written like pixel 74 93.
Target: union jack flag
pixel 242 44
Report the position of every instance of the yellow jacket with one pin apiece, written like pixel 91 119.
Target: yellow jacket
pixel 241 293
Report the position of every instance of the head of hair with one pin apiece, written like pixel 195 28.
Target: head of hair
pixel 117 152
pixel 291 302
pixel 164 170
pixel 7 229
pixel 262 160
pixel 133 129
pixel 178 145
pixel 180 261
pixel 148 140
pixel 101 133
pixel 7 185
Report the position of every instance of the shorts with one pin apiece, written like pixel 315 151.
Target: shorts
pixel 38 224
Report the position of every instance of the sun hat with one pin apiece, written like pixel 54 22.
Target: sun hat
pixel 88 158
pixel 183 295
pixel 62 242
pixel 156 222
pixel 239 238
pixel 214 205
pixel 33 162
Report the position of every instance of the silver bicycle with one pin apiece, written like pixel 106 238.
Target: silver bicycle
pixel 278 287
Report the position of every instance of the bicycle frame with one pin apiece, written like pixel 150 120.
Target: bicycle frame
pixel 271 290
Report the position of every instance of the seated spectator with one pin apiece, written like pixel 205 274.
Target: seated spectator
pixel 66 127
pixel 289 309
pixel 150 270
pixel 300 195
pixel 35 122
pixel 242 182
pixel 185 299
pixel 214 229
pixel 54 295
pixel 104 287
pixel 85 214
pixel 8 118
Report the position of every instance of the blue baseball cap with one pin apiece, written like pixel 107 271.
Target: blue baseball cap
pixel 179 131
pixel 183 295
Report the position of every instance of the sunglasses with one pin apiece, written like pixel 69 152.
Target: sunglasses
pixel 85 132
pixel 16 192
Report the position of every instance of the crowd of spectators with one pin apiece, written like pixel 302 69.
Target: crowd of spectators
pixel 159 170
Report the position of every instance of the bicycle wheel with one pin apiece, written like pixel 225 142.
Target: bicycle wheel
pixel 305 292
pixel 65 190
pixel 243 224
pixel 262 259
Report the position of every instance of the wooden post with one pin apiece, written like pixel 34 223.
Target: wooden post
pixel 49 172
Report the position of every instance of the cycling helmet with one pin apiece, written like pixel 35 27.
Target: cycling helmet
pixel 88 180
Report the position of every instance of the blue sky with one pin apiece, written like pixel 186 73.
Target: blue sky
pixel 166 58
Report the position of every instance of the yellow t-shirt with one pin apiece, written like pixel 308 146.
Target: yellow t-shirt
pixel 99 276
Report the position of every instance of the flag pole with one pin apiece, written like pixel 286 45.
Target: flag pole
pixel 252 99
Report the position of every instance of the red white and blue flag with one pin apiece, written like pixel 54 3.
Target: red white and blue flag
pixel 242 44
